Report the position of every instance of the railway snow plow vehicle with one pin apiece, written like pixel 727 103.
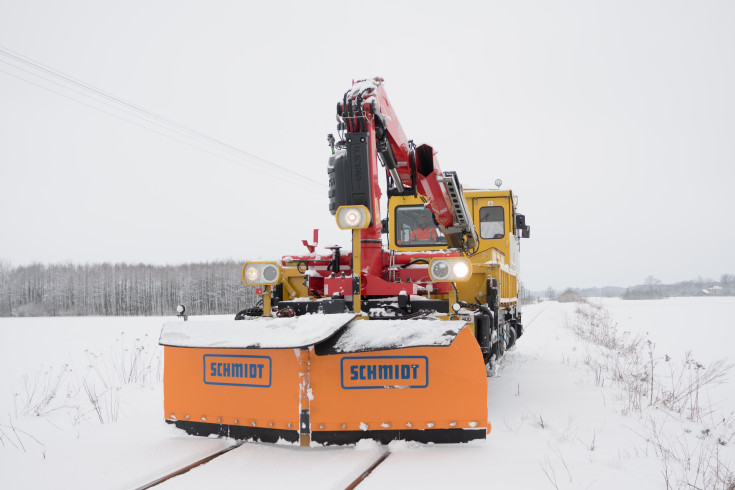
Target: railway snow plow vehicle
pixel 389 340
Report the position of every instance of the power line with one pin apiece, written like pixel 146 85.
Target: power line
pixel 188 143
pixel 94 93
pixel 169 124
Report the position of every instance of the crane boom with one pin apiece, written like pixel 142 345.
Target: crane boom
pixel 366 112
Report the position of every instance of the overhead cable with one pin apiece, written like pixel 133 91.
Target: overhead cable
pixel 150 117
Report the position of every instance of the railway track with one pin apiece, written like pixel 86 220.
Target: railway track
pixel 188 467
pixel 367 472
pixel 536 315
pixel 369 467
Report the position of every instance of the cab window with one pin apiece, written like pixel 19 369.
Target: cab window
pixel 415 228
pixel 492 222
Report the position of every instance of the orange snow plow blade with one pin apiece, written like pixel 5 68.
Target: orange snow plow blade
pixel 259 407
pixel 411 379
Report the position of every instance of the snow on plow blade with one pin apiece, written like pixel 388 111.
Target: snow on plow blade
pixel 325 378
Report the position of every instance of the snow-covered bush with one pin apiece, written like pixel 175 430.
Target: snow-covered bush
pixel 653 386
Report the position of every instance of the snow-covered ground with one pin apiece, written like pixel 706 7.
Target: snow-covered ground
pixel 81 406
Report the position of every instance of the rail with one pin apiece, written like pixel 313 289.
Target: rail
pixel 185 469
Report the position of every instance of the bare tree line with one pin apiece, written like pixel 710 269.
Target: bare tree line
pixel 652 288
pixel 122 289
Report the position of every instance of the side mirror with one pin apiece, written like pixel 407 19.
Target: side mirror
pixel 521 225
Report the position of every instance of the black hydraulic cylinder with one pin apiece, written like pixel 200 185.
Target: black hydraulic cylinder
pixel 349 174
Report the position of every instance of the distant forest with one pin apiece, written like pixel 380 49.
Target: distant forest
pixel 653 288
pixel 212 289
pixel 122 289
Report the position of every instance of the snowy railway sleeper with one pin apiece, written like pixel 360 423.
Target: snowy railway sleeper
pixel 380 342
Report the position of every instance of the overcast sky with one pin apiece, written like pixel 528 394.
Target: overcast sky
pixel 613 121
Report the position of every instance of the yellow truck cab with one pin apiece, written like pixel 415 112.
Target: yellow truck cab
pixel 495 259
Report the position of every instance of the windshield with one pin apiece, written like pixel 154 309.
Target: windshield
pixel 415 228
pixel 492 223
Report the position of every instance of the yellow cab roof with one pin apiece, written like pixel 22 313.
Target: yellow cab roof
pixel 470 192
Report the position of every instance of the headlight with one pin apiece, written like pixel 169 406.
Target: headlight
pixel 449 269
pixel 439 270
pixel 252 273
pixel 461 269
pixel 353 217
pixel 260 273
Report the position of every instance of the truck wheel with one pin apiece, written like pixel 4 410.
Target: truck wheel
pixel 511 337
pixel 501 345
